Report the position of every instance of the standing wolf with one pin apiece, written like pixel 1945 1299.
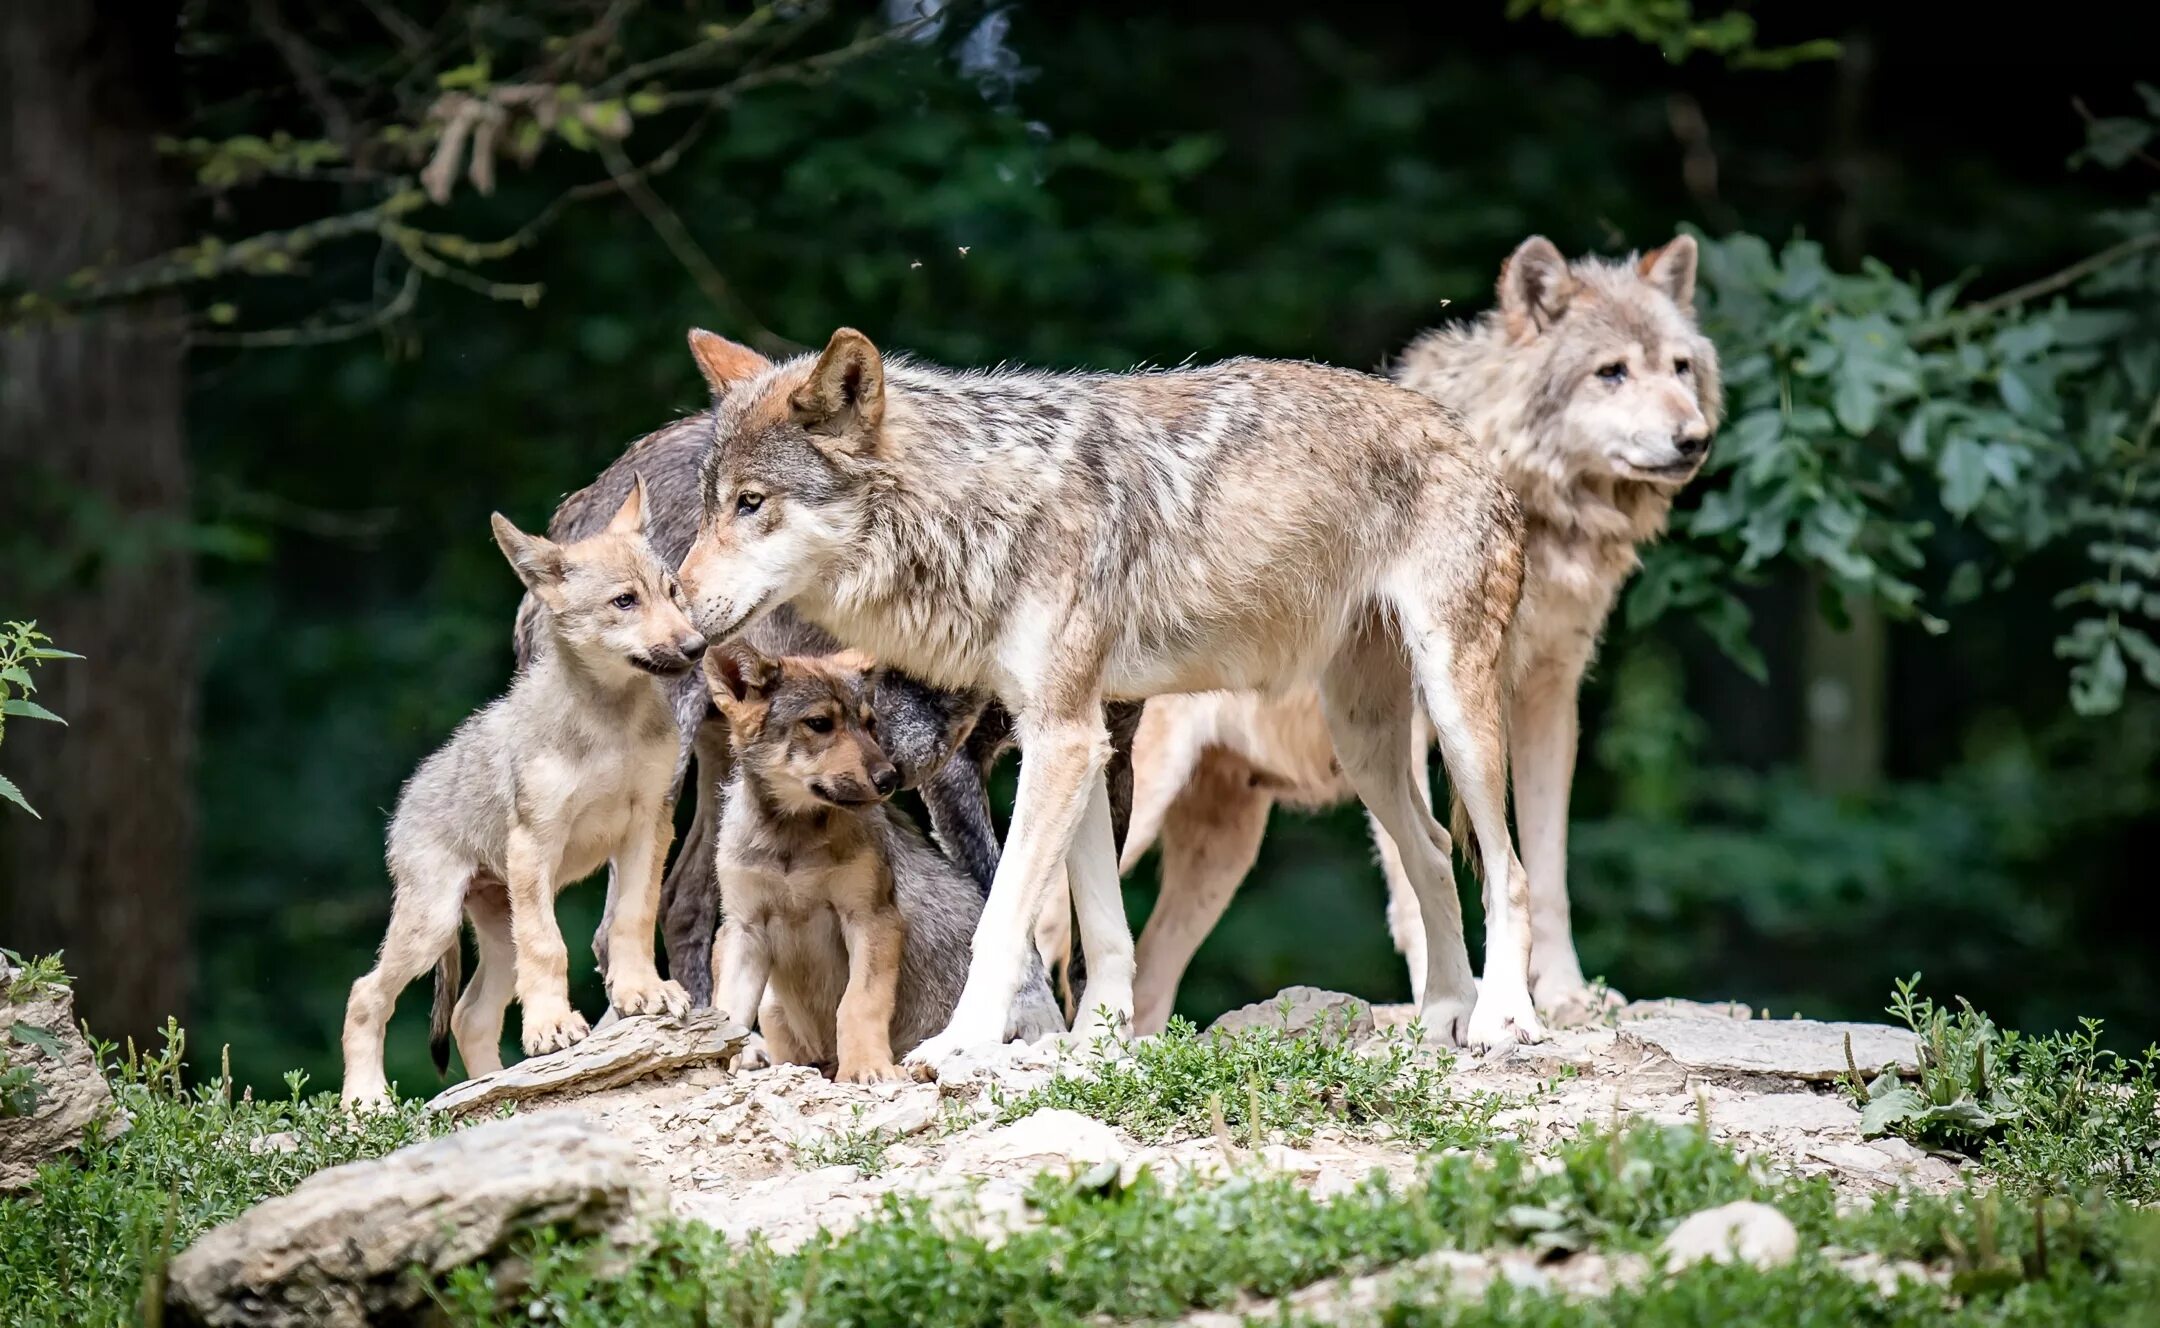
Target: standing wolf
pixel 1592 388
pixel 1059 539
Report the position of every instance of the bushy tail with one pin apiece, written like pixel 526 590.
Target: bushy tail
pixel 449 975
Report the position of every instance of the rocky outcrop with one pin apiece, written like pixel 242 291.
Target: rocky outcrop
pixel 621 1052
pixel 51 1090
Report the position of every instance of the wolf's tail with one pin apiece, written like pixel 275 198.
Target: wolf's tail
pixel 449 974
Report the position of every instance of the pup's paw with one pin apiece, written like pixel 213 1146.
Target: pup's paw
pixel 754 1055
pixel 648 994
pixel 871 1072
pixel 553 1030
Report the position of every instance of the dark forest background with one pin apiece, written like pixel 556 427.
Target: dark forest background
pixel 1802 775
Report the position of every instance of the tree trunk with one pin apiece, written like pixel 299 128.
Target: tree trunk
pixel 93 506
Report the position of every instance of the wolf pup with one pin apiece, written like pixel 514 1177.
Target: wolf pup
pixel 1593 389
pixel 571 768
pixel 1063 539
pixel 851 927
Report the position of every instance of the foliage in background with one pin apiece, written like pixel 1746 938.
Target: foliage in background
pixel 22 647
pixel 2049 1114
pixel 1885 434
pixel 1677 30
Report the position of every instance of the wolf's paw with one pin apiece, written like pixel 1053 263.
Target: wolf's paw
pixel 956 1038
pixel 1446 1022
pixel 871 1072
pixel 553 1030
pixel 1504 1017
pixel 1102 1022
pixel 648 995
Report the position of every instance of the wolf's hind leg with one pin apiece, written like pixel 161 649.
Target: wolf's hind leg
pixel 1210 839
pixel 477 1024
pixel 424 916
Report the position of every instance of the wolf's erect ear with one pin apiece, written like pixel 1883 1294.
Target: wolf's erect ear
pixel 1671 269
pixel 629 519
pixel 1534 285
pixel 738 675
pixel 724 363
pixel 844 398
pixel 537 561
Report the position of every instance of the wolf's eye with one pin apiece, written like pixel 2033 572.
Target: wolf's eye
pixel 626 600
pixel 1683 367
pixel 818 723
pixel 747 502
pixel 1615 372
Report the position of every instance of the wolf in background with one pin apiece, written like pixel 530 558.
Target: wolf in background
pixel 1592 388
pixel 1063 539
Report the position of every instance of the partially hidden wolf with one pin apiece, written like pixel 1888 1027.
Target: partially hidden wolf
pixel 920 726
pixel 1062 539
pixel 573 767
pixel 845 933
pixel 1592 388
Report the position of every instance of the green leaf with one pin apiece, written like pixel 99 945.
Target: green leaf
pixel 18 676
pixel 14 795
pixel 2114 140
pixel 1892 1108
pixel 47 652
pixel 1856 403
pixel 1964 470
pixel 20 709
pixel 30 1035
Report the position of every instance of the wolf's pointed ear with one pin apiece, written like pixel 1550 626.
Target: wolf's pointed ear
pixel 738 675
pixel 1534 285
pixel 724 363
pixel 844 398
pixel 537 561
pixel 1671 268
pixel 629 519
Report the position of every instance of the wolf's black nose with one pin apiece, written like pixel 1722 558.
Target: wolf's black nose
pixel 1692 445
pixel 885 779
pixel 692 647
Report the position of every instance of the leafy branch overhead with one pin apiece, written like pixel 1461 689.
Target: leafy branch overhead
pixel 22 648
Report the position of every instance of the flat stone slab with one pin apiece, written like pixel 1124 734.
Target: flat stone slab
pixel 360 1243
pixel 1774 1048
pixel 623 1052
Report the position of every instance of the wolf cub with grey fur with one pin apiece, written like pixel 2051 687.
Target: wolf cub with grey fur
pixel 843 928
pixel 574 767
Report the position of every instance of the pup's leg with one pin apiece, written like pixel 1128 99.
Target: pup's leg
pixel 1542 733
pixel 1106 1002
pixel 424 913
pixel 543 963
pixel 874 937
pixel 477 1024
pixel 1458 668
pixel 634 985
pixel 1210 838
pixel 784 1043
pixel 741 963
pixel 1366 697
pixel 1061 757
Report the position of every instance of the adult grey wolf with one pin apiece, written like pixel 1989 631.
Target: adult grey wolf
pixel 1059 539
pixel 1592 388
pixel 916 722
pixel 844 933
pixel 572 767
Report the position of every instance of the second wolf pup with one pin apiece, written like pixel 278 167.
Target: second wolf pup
pixel 843 928
pixel 572 768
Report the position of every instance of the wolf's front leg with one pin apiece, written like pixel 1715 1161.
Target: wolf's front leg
pixel 543 962
pixel 1059 764
pixel 1106 1003
pixel 634 985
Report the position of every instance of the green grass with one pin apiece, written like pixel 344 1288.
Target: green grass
pixel 1260 1086
pixel 79 1248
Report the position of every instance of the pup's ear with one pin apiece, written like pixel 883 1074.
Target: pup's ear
pixel 724 363
pixel 1671 268
pixel 844 398
pixel 738 675
pixel 537 560
pixel 629 519
pixel 1534 285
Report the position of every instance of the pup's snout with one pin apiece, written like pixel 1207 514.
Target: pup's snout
pixel 692 647
pixel 885 778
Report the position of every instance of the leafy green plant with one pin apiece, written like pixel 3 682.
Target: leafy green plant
pixel 1257 1084
pixel 1676 29
pixel 23 646
pixel 2056 1114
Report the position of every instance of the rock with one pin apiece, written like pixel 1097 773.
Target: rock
pixel 55 1088
pixel 626 1050
pixel 1749 1232
pixel 1673 1005
pixel 1046 1140
pixel 340 1251
pixel 1780 1048
pixel 910 1113
pixel 1785 1114
pixel 1296 1009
